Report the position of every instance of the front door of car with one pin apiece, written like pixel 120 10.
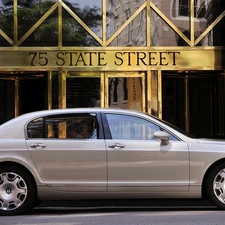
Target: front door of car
pixel 71 156
pixel 139 163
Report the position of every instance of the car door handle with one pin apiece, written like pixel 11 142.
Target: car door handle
pixel 117 146
pixel 38 145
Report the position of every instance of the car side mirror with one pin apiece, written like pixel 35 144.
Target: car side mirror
pixel 162 136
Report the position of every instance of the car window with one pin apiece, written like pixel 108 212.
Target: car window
pixel 132 128
pixel 36 128
pixel 74 126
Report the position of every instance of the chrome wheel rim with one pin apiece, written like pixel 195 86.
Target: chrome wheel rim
pixel 13 191
pixel 219 186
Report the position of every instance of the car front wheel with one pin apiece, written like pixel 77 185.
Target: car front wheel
pixel 215 186
pixel 17 191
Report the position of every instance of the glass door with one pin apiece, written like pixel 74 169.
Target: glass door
pixel 82 90
pixel 33 94
pixel 193 101
pixel 125 91
pixel 7 101
pixel 120 90
pixel 22 92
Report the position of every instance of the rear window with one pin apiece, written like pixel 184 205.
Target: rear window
pixel 73 126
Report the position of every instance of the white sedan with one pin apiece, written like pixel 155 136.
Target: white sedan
pixel 97 153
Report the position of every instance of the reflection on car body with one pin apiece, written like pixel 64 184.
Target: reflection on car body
pixel 92 153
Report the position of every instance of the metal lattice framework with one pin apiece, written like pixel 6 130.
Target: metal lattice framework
pixel 148 5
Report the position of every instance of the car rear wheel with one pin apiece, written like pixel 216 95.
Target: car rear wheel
pixel 215 186
pixel 17 191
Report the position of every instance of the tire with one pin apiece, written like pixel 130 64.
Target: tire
pixel 215 186
pixel 17 191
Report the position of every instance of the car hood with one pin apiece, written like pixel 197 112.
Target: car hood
pixel 211 141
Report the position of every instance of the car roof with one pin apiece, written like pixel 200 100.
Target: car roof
pixel 76 110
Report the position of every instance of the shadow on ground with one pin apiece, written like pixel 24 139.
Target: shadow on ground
pixel 129 203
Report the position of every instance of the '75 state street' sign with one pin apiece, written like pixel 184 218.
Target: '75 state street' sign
pixel 113 60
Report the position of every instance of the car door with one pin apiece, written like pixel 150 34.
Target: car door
pixel 69 151
pixel 139 163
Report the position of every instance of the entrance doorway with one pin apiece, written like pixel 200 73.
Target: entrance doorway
pixel 22 92
pixel 118 90
pixel 125 91
pixel 80 90
pixel 193 101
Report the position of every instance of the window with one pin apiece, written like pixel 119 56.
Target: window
pixel 35 128
pixel 72 126
pixel 181 8
pixel 133 128
pixel 184 7
pixel 130 127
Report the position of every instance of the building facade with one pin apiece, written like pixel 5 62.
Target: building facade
pixel 163 57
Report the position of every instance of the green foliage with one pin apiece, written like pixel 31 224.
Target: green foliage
pixel 30 11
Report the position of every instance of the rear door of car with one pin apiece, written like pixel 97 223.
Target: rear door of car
pixel 72 154
pixel 139 163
